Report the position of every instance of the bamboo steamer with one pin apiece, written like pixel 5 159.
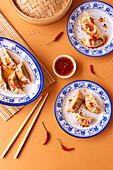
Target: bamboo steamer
pixel 41 12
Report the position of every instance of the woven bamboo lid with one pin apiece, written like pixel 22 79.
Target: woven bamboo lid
pixel 35 10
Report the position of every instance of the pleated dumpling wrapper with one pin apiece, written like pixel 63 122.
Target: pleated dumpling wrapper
pixel 6 60
pixel 3 84
pixel 22 73
pixel 14 84
pixel 94 41
pixel 76 102
pixel 91 104
pixel 87 25
pixel 83 121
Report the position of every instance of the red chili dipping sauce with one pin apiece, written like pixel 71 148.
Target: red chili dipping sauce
pixel 64 66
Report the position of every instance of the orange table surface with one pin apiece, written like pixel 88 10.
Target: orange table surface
pixel 95 153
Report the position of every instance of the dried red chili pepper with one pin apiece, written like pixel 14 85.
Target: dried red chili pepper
pixel 56 38
pixel 64 148
pixel 92 71
pixel 47 134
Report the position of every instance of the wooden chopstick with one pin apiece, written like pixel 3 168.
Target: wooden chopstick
pixel 19 130
pixel 30 127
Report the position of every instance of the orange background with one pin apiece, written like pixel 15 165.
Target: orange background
pixel 90 154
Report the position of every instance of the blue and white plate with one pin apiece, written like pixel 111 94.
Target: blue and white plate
pixel 96 9
pixel 32 90
pixel 64 118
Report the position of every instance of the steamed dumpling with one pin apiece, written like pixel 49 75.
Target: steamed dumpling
pixel 14 84
pixel 88 25
pixel 94 41
pixel 22 73
pixel 91 104
pixel 3 85
pixel 6 59
pixel 76 102
pixel 83 121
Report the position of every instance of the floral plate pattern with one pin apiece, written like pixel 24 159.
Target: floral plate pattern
pixel 34 88
pixel 89 131
pixel 96 8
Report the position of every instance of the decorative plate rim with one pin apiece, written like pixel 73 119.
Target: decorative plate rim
pixel 69 124
pixel 76 40
pixel 38 67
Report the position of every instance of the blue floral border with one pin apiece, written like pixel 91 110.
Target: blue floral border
pixel 89 132
pixel 33 64
pixel 70 28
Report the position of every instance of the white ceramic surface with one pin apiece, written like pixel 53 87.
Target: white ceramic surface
pixel 96 9
pixel 65 120
pixel 33 89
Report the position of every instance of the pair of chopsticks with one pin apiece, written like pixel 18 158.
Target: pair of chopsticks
pixel 21 127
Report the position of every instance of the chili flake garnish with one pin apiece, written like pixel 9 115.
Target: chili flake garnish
pixel 105 26
pixel 101 19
